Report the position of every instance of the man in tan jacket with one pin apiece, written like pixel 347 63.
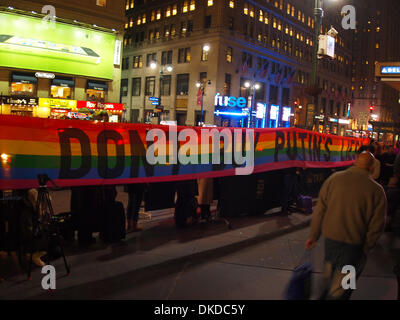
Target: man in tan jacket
pixel 350 215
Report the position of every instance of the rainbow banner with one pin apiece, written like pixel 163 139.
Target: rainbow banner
pixel 76 152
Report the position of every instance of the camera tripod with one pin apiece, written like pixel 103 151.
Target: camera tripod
pixel 44 216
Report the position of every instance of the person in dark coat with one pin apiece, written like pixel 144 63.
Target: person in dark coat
pixel 135 198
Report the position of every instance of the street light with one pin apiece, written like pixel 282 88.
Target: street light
pixel 200 85
pixel 253 87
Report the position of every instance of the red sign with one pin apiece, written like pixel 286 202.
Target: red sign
pixel 60 110
pixel 98 105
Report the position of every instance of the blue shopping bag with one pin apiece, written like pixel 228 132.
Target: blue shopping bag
pixel 299 287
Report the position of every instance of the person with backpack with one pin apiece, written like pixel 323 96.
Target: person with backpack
pixel 350 215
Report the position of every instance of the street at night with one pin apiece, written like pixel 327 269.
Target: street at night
pixel 182 151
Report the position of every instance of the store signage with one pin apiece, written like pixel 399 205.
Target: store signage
pixel 261 107
pixel 57 103
pixel 154 99
pixel 117 52
pixel 155 103
pixel 321 117
pixel 390 70
pixel 98 105
pixel 20 101
pixel 60 111
pixel 344 121
pixel 225 101
pixel 274 112
pixel 333 120
pixel 286 114
pixel 45 75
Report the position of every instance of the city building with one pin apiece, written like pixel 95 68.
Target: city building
pixel 61 58
pixel 261 51
pixel 375 104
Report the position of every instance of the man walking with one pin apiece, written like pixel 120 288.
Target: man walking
pixel 350 215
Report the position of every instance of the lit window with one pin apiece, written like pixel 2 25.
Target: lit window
pixel 158 17
pixel 210 3
pixel 229 54
pixel 144 18
pixel 168 12
pixel 101 3
pixel 287 29
pixel 174 10
pixel 131 23
pixel 153 15
pixel 261 16
pixel 297 36
pixel 276 4
pixel 185 7
pixel 302 37
pixel 279 25
pixel 367 62
pixel 312 23
pixel 127 5
pixel 139 20
pixel 303 18
pixel 293 11
pixel 288 9
pixel 378 29
pixel 274 23
pixel 246 8
pixel 132 4
pixel 266 19
pixel 232 4
pixel 299 15
pixel 126 25
pixel 192 5
pixel 377 45
pixel 252 11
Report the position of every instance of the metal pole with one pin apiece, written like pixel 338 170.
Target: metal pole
pixel 318 13
pixel 202 97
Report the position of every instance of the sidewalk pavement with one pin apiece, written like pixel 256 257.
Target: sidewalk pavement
pixel 159 245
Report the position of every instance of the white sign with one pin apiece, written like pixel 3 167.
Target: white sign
pixel 261 108
pixel 45 75
pixel 344 121
pixel 326 46
pixel 117 52
pixel 286 114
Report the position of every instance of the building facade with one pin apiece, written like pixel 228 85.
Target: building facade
pixel 375 40
pixel 268 43
pixel 58 58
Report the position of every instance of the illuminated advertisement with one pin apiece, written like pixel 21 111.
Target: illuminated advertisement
pixel 57 103
pixel 286 114
pixel 30 43
pixel 274 116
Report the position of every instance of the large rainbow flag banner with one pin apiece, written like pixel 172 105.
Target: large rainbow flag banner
pixel 76 152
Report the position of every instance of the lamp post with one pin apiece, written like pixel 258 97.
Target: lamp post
pixel 168 68
pixel 200 85
pixel 253 87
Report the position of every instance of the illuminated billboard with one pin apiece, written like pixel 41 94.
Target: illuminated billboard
pixel 30 43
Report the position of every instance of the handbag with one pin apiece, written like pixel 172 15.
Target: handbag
pixel 299 287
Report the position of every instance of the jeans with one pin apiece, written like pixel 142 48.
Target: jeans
pixel 338 255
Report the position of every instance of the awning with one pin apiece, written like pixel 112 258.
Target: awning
pixel 23 77
pixel 63 82
pixel 97 85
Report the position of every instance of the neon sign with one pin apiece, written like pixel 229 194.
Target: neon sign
pixel 390 70
pixel 232 102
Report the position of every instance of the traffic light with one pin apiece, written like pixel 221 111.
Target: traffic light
pixel 371 108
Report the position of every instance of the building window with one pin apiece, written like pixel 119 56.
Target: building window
pixel 210 3
pixel 251 11
pixel 204 55
pixel 166 31
pixel 227 84
pixel 125 63
pixel 184 55
pixel 232 4
pixel 166 57
pixel 124 88
pixel 185 7
pixel 165 85
pixel 190 25
pixel 231 23
pixel 246 8
pixel 207 22
pixel 150 85
pixel 261 16
pixel 192 5
pixel 101 3
pixel 150 57
pixel 182 84
pixel 137 62
pixel 168 12
pixel 158 16
pixel 172 30
pixel 229 53
pixel 136 86
pixel 157 33
pixel 153 15
pixel 174 9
